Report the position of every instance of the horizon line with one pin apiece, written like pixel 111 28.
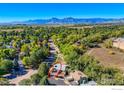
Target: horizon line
pixel 60 18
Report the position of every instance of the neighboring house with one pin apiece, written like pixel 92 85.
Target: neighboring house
pixel 76 78
pixel 119 43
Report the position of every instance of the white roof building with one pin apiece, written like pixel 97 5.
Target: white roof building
pixel 60 67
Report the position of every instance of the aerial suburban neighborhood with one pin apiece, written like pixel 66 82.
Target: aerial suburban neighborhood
pixel 38 55
pixel 61 45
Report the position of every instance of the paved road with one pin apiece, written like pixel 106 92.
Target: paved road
pixel 53 50
pixel 26 76
pixel 30 72
pixel 51 58
pixel 22 74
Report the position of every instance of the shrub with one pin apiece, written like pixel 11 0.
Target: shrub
pixel 25 82
pixel 4 81
pixel 108 43
pixel 35 79
pixel 111 52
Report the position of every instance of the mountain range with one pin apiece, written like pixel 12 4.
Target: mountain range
pixel 69 20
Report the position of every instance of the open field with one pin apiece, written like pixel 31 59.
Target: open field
pixel 89 26
pixel 10 30
pixel 109 60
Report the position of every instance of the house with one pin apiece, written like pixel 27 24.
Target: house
pixel 119 43
pixel 58 70
pixel 61 67
pixel 76 78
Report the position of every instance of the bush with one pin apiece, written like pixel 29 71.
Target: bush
pixel 111 52
pixel 108 43
pixel 25 82
pixel 4 81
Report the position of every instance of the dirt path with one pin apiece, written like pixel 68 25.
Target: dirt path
pixel 26 76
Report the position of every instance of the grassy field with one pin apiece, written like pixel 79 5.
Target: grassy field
pixel 10 30
pixel 108 57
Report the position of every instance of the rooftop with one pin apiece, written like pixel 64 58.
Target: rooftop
pixel 76 75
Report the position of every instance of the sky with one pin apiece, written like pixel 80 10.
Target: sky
pixel 26 11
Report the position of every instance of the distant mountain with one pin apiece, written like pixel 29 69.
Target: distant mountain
pixel 71 20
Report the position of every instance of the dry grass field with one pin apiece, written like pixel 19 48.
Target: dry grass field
pixel 108 57
pixel 9 30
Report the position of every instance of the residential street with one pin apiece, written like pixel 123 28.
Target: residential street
pixel 21 77
pixel 25 74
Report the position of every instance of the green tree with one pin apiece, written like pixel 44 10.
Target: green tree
pixel 25 49
pixel 44 81
pixel 35 79
pixel 43 70
pixel 5 66
pixel 108 43
pixel 26 61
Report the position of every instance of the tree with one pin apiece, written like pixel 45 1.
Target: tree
pixel 108 43
pixel 5 66
pixel 15 45
pixel 35 79
pixel 34 60
pixel 26 61
pixel 72 59
pixel 25 49
pixel 43 70
pixel 44 81
pixel 38 56
pixel 12 53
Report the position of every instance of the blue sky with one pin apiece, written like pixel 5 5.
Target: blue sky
pixel 20 12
